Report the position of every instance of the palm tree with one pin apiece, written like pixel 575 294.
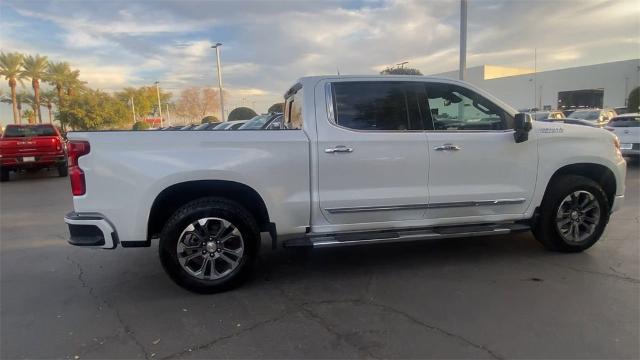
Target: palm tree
pixel 11 69
pixel 48 97
pixel 57 73
pixel 23 98
pixel 73 83
pixel 35 68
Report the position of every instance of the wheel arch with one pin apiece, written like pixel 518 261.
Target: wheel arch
pixel 173 197
pixel 599 173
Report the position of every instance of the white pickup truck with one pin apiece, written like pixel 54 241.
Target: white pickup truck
pixel 359 160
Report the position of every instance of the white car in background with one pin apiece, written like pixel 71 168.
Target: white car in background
pixel 627 129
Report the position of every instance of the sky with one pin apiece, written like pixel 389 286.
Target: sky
pixel 267 45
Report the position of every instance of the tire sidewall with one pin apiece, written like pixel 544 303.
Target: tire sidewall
pixel 193 211
pixel 565 187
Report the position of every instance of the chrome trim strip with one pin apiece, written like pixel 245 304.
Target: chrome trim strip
pixel 356 209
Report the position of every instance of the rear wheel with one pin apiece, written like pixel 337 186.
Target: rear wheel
pixel 4 175
pixel 573 214
pixel 209 245
pixel 63 170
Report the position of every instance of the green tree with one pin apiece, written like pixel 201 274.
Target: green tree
pixel 140 125
pixel 145 99
pixel 208 119
pixel 93 110
pixel 57 74
pixel 35 68
pixel 633 103
pixel 48 98
pixel 29 115
pixel 11 69
pixel 400 71
pixel 277 107
pixel 241 113
pixel 73 84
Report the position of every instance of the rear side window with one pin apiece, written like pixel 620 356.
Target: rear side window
pixel 373 106
pixel 29 131
pixel 293 110
pixel 625 121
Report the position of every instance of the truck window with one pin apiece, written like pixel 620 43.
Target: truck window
pixel 293 111
pixel 454 107
pixel 372 106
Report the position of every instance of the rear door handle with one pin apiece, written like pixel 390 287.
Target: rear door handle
pixel 447 147
pixel 338 149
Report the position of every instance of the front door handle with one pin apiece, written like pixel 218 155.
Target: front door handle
pixel 339 149
pixel 447 147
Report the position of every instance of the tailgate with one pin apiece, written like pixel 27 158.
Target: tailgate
pixel 19 146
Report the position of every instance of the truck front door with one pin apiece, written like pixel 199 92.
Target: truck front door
pixel 476 167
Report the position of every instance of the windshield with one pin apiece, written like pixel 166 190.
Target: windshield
pixel 256 123
pixel 29 131
pixel 625 121
pixel 591 115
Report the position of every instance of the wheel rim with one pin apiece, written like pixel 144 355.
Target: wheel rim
pixel 578 216
pixel 210 248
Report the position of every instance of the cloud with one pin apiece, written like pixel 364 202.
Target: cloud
pixel 268 44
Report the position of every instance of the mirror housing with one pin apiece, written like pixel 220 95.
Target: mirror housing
pixel 522 125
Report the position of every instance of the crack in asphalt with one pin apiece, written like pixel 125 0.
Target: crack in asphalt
pixel 304 306
pixel 616 275
pixel 411 318
pixel 213 342
pixel 127 329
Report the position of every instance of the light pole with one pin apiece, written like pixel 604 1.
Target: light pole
pixel 217 47
pixel 133 109
pixel 463 39
pixel 168 114
pixel 159 105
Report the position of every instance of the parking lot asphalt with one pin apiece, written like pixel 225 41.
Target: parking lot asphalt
pixel 490 297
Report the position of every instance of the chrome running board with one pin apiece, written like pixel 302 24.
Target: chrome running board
pixel 395 235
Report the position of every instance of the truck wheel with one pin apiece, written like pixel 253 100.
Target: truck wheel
pixel 573 214
pixel 209 245
pixel 4 175
pixel 63 170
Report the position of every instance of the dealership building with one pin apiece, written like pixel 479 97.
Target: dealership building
pixel 599 85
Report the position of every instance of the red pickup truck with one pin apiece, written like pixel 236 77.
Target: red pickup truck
pixel 32 147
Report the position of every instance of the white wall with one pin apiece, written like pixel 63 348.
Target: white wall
pixel 518 91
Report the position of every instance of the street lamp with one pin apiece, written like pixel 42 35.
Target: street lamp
pixel 463 39
pixel 217 47
pixel 159 105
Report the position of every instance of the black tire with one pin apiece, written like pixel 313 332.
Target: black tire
pixel 63 170
pixel 4 175
pixel 546 230
pixel 210 207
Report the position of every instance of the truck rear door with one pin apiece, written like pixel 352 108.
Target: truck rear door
pixel 372 153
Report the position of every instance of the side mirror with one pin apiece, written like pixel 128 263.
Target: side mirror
pixel 522 126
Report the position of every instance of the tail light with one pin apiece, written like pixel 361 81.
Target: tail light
pixel 76 149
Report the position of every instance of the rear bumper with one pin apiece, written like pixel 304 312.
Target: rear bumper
pixel 40 161
pixel 91 230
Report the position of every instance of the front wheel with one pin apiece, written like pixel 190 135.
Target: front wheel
pixel 209 245
pixel 573 214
